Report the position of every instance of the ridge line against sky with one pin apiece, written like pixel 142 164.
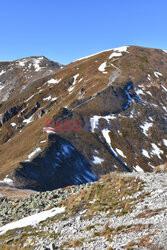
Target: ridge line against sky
pixel 67 30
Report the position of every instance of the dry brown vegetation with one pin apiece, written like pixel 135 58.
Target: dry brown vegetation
pixel 149 213
pixel 112 192
pixel 72 244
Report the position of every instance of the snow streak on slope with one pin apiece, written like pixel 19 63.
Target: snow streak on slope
pixel 53 81
pixel 105 133
pixel 74 82
pixel 138 169
pixel 145 153
pixel 156 150
pixel 31 220
pixel 120 152
pixel 37 150
pixel 164 87
pixel 157 74
pixel 2 72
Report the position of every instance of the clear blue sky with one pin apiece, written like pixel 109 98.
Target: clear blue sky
pixel 64 30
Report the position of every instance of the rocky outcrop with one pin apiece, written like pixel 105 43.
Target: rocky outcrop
pixel 19 208
pixel 10 113
pixel 60 165
pixel 32 111
pixel 41 113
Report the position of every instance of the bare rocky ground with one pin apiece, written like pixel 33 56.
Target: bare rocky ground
pixel 143 228
pixel 139 224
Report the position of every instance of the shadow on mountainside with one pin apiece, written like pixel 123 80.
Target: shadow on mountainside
pixel 60 165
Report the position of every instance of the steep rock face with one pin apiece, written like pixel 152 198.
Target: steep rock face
pixel 119 99
pixel 60 165
pixel 9 114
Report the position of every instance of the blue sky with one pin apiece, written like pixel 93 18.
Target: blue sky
pixel 64 30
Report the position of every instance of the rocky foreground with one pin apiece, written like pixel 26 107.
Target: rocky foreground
pixel 120 211
pixel 11 210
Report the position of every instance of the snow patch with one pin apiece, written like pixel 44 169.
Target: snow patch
pixel 97 160
pixel 122 49
pixel 139 92
pixel 36 63
pixel 54 99
pixel 1 87
pixel 2 72
pixel 102 67
pixel 120 152
pixel 164 108
pixel 165 142
pixel 7 181
pixel 105 133
pixel 156 150
pixel 37 150
pixel 29 98
pixel 47 98
pixel 164 87
pixel 149 77
pixel 148 92
pixel 150 118
pixel 146 127
pixel 80 79
pixel 54 81
pixel 95 120
pixel 118 51
pixel 115 54
pixel 138 169
pixel 32 220
pixel 13 124
pixel 157 74
pixel 29 120
pixel 145 153
pixel 21 63
pixel 43 141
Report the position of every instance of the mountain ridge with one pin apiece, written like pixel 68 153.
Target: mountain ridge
pixel 125 86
